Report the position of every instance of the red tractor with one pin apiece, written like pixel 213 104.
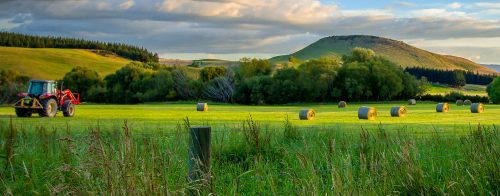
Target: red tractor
pixel 44 98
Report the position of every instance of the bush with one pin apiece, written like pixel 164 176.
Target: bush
pixel 11 83
pixel 211 72
pixel 493 90
pixel 81 80
pixel 453 96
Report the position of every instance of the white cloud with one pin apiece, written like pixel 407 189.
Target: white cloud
pixel 455 5
pixel 295 12
pixel 488 5
pixel 251 26
pixel 438 12
pixel 127 4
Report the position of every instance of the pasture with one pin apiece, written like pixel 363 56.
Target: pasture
pixel 255 150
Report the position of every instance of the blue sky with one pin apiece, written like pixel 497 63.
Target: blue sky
pixel 231 29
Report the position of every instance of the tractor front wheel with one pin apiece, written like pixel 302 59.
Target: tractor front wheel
pixel 49 108
pixel 68 109
pixel 21 112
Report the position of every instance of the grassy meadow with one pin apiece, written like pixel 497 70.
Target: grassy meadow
pixel 264 150
pixel 53 63
pixel 469 89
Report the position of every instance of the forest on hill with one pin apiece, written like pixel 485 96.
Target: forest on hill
pixel 135 53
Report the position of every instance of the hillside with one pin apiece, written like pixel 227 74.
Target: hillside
pixel 396 51
pixel 50 63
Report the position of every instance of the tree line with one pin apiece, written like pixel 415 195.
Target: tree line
pixel 451 77
pixel 360 76
pixel 363 76
pixel 135 53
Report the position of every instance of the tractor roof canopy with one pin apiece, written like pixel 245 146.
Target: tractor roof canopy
pixel 39 87
pixel 43 81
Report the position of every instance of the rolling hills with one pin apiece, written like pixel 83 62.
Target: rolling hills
pixel 51 63
pixel 397 51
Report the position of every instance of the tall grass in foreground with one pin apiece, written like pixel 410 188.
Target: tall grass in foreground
pixel 251 158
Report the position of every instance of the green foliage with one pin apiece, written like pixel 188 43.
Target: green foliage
pixel 493 90
pixel 286 86
pixel 136 83
pixel 253 67
pixel 11 83
pixel 81 80
pixel 211 72
pixel 458 79
pixel 317 77
pixel 447 76
pixel 365 75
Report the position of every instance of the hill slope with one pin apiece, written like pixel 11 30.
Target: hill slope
pixel 396 51
pixel 50 63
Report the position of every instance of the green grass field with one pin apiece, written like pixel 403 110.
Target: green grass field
pixel 96 152
pixel 469 89
pixel 169 114
pixel 51 63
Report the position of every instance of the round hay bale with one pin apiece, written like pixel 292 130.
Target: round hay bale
pixel 442 107
pixel 467 102
pixel 202 107
pixel 477 108
pixel 369 113
pixel 412 102
pixel 307 114
pixel 342 104
pixel 460 102
pixel 398 111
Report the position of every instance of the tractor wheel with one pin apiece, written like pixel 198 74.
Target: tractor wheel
pixel 68 109
pixel 21 112
pixel 49 108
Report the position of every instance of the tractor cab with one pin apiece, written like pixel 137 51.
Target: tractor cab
pixel 42 87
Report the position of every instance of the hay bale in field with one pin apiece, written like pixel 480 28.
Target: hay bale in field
pixel 398 111
pixel 342 104
pixel 467 102
pixel 369 113
pixel 202 107
pixel 412 102
pixel 477 108
pixel 307 114
pixel 460 102
pixel 442 107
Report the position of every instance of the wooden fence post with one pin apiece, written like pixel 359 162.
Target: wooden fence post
pixel 199 155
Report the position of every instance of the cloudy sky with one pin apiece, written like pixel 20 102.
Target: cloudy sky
pixel 230 29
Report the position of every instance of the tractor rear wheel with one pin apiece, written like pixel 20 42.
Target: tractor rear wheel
pixel 49 108
pixel 21 112
pixel 68 109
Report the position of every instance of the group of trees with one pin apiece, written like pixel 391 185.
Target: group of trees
pixel 493 90
pixel 29 41
pixel 451 77
pixel 363 76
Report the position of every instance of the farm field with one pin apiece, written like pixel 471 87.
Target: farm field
pixel 53 63
pixel 97 151
pixel 469 89
pixel 167 115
